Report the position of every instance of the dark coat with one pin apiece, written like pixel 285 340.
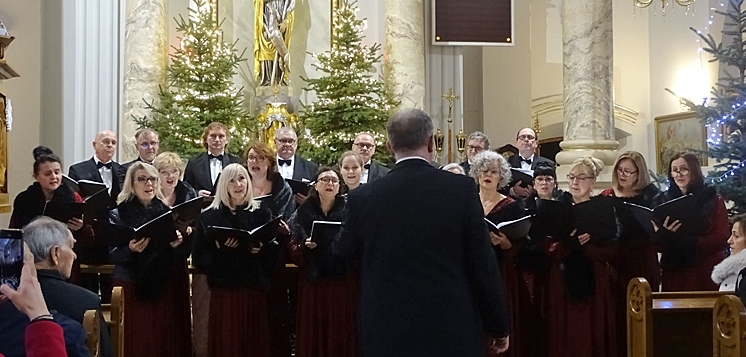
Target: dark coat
pixel 430 284
pixel 281 202
pixel 197 171
pixel 515 161
pixel 227 267
pixel 13 325
pixel 376 171
pixel 184 192
pixel 72 301
pixel 87 170
pixel 303 169
pixel 466 166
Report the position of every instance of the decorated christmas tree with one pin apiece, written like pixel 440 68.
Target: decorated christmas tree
pixel 350 99
pixel 725 111
pixel 200 89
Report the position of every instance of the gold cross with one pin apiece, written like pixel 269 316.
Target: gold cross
pixel 450 97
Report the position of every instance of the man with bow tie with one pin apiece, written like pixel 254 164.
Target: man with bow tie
pixel 365 146
pixel 526 142
pixel 202 170
pixel 476 142
pixel 290 165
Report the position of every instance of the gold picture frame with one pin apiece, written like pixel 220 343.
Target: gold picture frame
pixel 676 133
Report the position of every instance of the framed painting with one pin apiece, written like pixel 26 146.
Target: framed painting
pixel 680 132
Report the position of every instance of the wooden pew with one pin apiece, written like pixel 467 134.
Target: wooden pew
pixel 114 317
pixel 92 332
pixel 666 324
pixel 729 327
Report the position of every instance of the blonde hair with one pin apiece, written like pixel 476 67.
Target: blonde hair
pixel 643 179
pixel 128 192
pixel 590 165
pixel 223 198
pixel 167 160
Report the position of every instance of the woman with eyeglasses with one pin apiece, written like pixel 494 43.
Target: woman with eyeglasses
pixel 239 319
pixel 157 322
pixel 581 302
pixel 491 172
pixel 688 258
pixel 351 168
pixel 327 286
pixel 266 180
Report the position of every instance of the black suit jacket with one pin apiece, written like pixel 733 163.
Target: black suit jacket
pixel 197 172
pixel 430 284
pixel 87 170
pixel 515 161
pixel 376 171
pixel 466 167
pixel 13 325
pixel 72 301
pixel 303 169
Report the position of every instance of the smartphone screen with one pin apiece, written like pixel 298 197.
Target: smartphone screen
pixel 11 256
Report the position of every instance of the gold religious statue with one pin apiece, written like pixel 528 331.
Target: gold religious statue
pixel 273 24
pixel 274 117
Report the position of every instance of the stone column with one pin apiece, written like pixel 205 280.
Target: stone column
pixel 587 45
pixel 145 61
pixel 404 51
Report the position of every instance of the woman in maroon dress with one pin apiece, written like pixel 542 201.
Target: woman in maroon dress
pixel 581 306
pixel 492 173
pixel 688 258
pixel 637 256
pixel 49 186
pixel 157 322
pixel 238 321
pixel 327 289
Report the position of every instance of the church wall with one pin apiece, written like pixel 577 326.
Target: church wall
pixel 22 18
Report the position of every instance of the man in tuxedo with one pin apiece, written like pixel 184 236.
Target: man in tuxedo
pixel 100 168
pixel 146 142
pixel 430 284
pixel 365 146
pixel 202 170
pixel 476 142
pixel 290 165
pixel 527 142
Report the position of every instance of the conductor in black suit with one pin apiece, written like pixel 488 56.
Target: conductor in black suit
pixel 430 284
pixel 100 168
pixel 290 165
pixel 365 146
pixel 527 142
pixel 202 170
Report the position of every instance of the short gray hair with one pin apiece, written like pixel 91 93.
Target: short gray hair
pixel 456 166
pixel 285 129
pixel 478 135
pixel 43 234
pixel 485 159
pixel 409 130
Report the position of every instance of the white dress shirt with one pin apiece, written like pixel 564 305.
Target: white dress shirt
pixel 216 167
pixel 526 165
pixel 105 173
pixel 286 171
pixel 365 174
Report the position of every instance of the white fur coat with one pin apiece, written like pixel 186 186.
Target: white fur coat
pixel 726 272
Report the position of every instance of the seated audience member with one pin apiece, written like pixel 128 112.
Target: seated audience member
pixel 365 146
pixel 527 142
pixel 46 334
pixel 476 142
pixel 454 168
pixel 351 166
pixel 726 272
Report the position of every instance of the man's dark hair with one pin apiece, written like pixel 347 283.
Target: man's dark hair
pixel 409 130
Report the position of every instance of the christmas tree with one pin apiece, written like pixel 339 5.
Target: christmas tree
pixel 200 89
pixel 350 100
pixel 724 111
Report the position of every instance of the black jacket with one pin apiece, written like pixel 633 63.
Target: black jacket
pixel 13 327
pixel 227 267
pixel 430 283
pixel 303 169
pixel 515 161
pixel 376 171
pixel 197 171
pixel 29 204
pixel 72 301
pixel 87 170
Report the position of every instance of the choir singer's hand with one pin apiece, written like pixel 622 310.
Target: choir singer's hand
pixel 309 244
pixel 501 240
pixel 178 241
pixel 584 238
pixel 75 224
pixel 203 193
pixel 496 346
pixel 299 199
pixel 521 191
pixel 673 226
pixel 255 250
pixel 231 243
pixel 139 245
pixel 284 229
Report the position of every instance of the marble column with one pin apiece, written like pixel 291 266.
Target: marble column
pixel 587 44
pixel 145 61
pixel 404 51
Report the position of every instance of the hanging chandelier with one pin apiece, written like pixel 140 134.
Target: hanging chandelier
pixel 646 3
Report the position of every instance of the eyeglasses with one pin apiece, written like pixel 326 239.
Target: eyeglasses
pixel 475 148
pixel 167 173
pixel 365 146
pixel 544 179
pixel 680 172
pixel 626 173
pixel 145 144
pixel 490 171
pixel 255 158
pixel 143 179
pixel 286 141
pixel 526 137
pixel 328 180
pixel 581 178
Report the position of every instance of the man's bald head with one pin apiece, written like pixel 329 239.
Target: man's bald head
pixel 105 145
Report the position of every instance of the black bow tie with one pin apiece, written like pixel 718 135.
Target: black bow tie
pixel 367 166
pixel 101 164
pixel 283 162
pixel 219 157
pixel 528 161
